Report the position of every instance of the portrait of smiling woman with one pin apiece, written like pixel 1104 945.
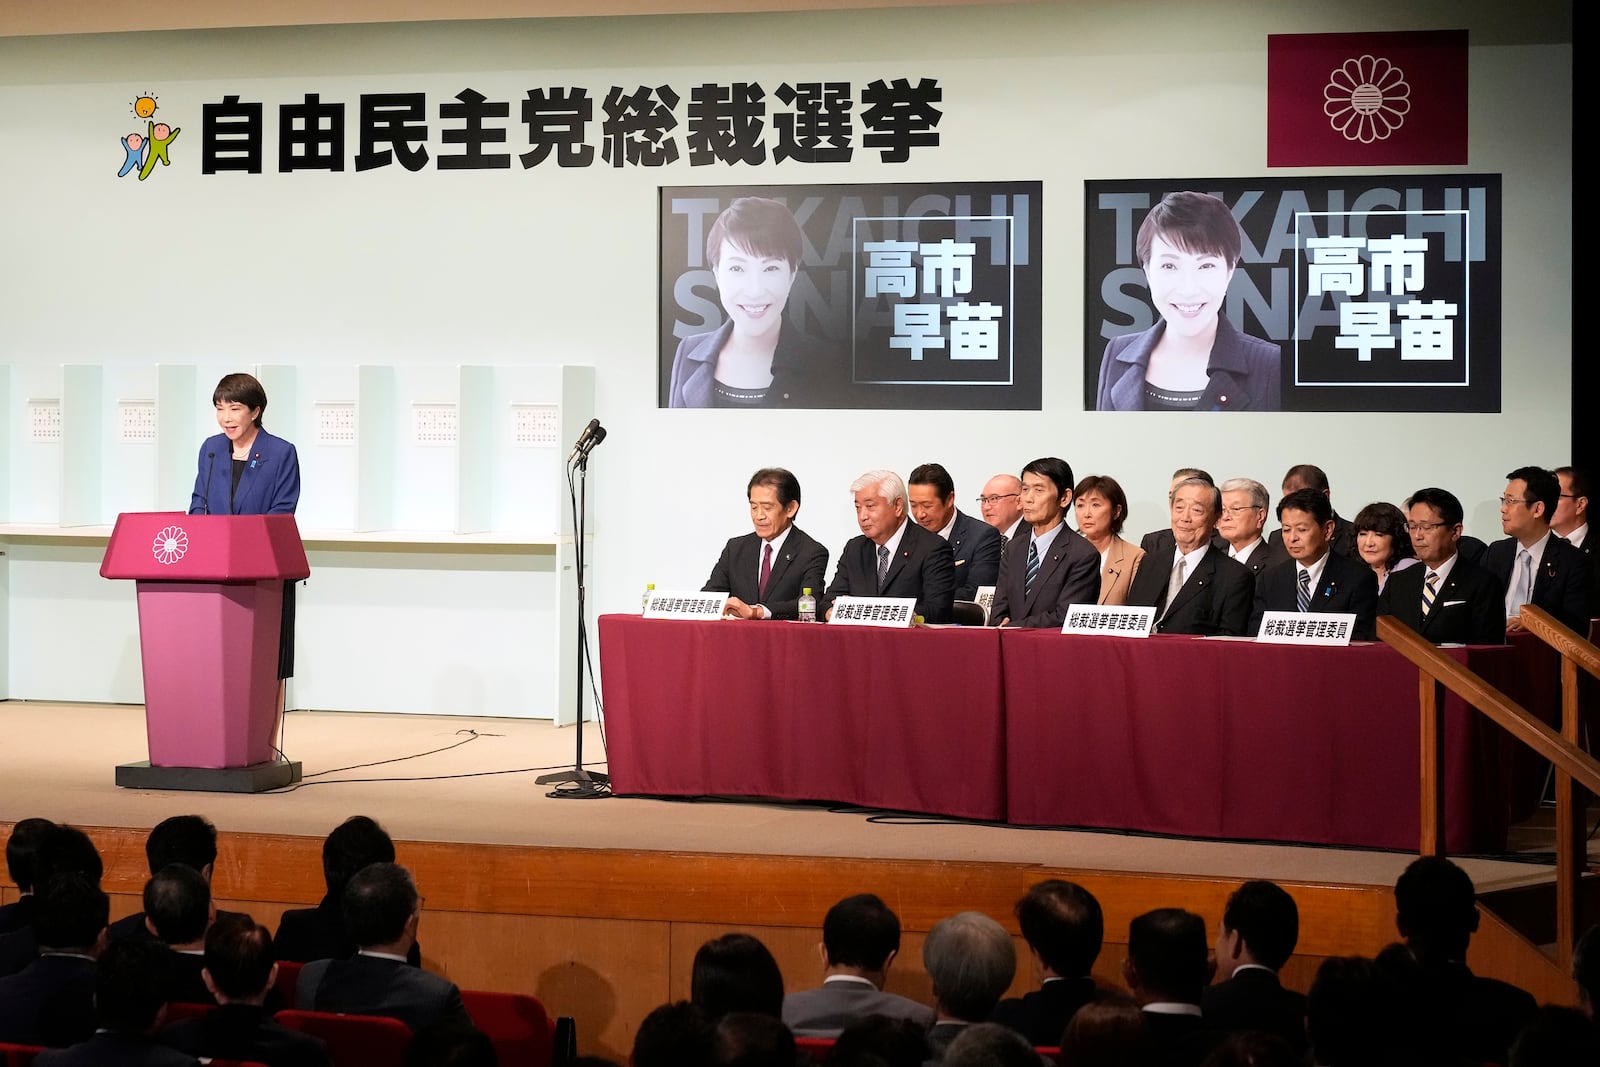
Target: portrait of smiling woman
pixel 1193 358
pixel 757 358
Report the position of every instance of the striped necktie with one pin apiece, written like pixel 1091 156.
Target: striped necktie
pixel 1430 589
pixel 1302 599
pixel 1033 567
pixel 883 565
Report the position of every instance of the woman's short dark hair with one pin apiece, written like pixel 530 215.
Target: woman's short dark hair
pixel 735 972
pixel 1107 487
pixel 1381 517
pixel 760 226
pixel 241 389
pixel 1198 223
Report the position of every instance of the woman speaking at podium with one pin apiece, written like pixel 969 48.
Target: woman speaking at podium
pixel 244 470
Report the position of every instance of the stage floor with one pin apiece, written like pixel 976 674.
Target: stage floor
pixel 58 763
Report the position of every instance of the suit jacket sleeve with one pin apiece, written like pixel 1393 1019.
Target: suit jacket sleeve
pixel 1486 607
pixel 938 583
pixel 840 586
pixel 1570 572
pixel 812 566
pixel 286 487
pixel 720 580
pixel 1266 583
pixel 1233 604
pixel 1364 602
pixel 982 566
pixel 204 470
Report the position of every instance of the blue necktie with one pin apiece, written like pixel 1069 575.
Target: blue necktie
pixel 1302 599
pixel 1033 567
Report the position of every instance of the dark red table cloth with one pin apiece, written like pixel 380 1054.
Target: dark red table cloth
pixel 1235 740
pixel 903 719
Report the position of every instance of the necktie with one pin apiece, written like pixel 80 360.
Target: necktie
pixel 883 565
pixel 1521 584
pixel 1033 568
pixel 1302 599
pixel 1430 589
pixel 766 572
pixel 1174 584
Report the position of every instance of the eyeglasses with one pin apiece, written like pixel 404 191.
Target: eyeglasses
pixel 985 500
pixel 1512 501
pixel 1243 507
pixel 1424 527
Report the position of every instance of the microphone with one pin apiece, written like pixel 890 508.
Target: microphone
pixel 583 439
pixel 211 461
pixel 594 439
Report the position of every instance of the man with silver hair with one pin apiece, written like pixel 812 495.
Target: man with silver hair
pixel 893 557
pixel 971 960
pixel 1245 504
pixel 1196 589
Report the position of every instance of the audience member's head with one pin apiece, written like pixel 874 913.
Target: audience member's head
pixel 131 983
pixel 879 1041
pixel 1000 501
pixel 1382 539
pixel 381 906
pixel 990 1045
pixel 1062 924
pixel 1260 925
pixel 735 972
pixel 1305 476
pixel 71 914
pixel 753 1039
pixel 187 839
pixel 1557 1037
pixel 1168 958
pixel 862 934
pixel 1253 1049
pixel 971 960
pixel 1586 971
pixel 1244 511
pixel 672 1035
pixel 1183 474
pixel 67 850
pixel 1109 1031
pixel 355 843
pixel 1436 909
pixel 450 1043
pixel 1529 503
pixel 1433 519
pixel 21 849
pixel 1351 1014
pixel 177 905
pixel 1572 508
pixel 240 963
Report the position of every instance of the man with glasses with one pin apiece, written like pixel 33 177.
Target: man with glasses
pixel 1244 516
pixel 1001 505
pixel 765 572
pixel 1194 587
pixel 1571 521
pixel 1447 599
pixel 1531 565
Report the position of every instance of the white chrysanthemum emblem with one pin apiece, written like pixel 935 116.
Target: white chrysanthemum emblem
pixel 170 545
pixel 1367 99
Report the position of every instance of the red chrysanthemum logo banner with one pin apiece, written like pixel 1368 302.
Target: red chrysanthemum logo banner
pixel 1367 99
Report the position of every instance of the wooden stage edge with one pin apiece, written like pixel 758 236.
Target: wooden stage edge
pixel 606 935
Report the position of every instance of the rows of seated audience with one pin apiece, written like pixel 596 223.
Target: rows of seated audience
pixel 99 993
pixel 1214 569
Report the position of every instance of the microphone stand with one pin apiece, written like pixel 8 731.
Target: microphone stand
pixel 579 784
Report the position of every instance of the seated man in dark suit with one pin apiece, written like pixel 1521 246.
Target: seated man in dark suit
pixel 860 939
pixel 974 543
pixel 1158 543
pixel 1447 599
pixel 21 847
pixel 1305 476
pixel 1195 588
pixel 1467 1017
pixel 178 911
pixel 306 934
pixel 1047 567
pixel 187 839
pixel 893 557
pixel 130 1004
pixel 1260 927
pixel 1167 969
pixel 1064 928
pixel 63 850
pixel 971 961
pixel 1316 578
pixel 1570 520
pixel 240 972
pixel 765 572
pixel 1244 520
pixel 1532 565
pixel 51 1001
pixel 381 911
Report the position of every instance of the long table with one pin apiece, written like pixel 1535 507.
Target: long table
pixel 1202 738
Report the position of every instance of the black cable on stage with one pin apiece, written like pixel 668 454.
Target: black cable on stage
pixel 399 759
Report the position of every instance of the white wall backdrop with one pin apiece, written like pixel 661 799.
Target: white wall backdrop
pixel 314 271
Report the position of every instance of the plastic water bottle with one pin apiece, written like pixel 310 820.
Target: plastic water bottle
pixel 649 590
pixel 808 606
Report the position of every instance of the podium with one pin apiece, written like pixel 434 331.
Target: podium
pixel 210 592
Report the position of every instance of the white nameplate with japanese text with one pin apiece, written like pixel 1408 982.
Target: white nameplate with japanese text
pixel 985 600
pixel 1109 621
pixel 1307 627
pixel 874 611
pixel 695 605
